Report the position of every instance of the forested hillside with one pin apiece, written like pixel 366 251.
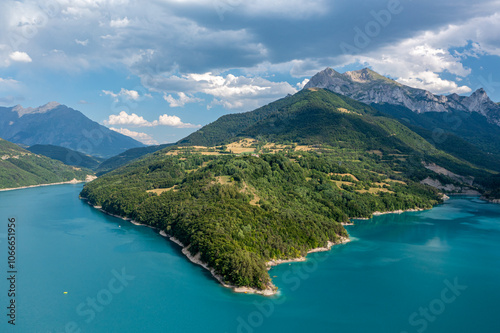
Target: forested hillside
pixel 19 167
pixel 277 182
pixel 240 211
pixel 67 156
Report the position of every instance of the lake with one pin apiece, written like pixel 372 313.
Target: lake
pixel 79 270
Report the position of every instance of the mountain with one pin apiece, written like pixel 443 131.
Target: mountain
pixel 466 127
pixel 273 184
pixel 66 155
pixel 303 118
pixel 282 116
pixel 127 157
pixel 369 87
pixel 19 167
pixel 59 125
pixel 467 135
pixel 100 166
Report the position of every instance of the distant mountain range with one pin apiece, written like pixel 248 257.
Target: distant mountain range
pixel 369 87
pixel 126 157
pixel 59 125
pixel 19 167
pixel 66 155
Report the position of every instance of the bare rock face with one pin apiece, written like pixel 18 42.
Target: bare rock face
pixel 368 87
pixel 41 109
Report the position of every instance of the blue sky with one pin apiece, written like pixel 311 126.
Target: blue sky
pixel 157 70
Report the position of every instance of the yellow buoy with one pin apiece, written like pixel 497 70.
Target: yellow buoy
pixel 65 292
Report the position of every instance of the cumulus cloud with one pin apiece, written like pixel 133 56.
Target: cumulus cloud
pixel 201 43
pixel 419 66
pixel 417 62
pixel 420 60
pixel 141 137
pixel 20 57
pixel 173 121
pixel 127 119
pixel 181 101
pixel 230 91
pixel 124 93
pixel 123 118
pixel 119 23
pixel 8 83
pixel 82 42
pixel 432 82
pixel 177 38
pixel 301 85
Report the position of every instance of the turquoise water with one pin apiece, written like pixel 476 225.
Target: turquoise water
pixel 396 267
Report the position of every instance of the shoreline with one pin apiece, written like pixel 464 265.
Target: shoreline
pixel 195 259
pixel 74 181
pixel 377 213
pixel 270 291
pixel 276 262
pixel 400 211
pixel 99 208
pixel 494 201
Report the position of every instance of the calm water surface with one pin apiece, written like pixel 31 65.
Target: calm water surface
pixel 432 271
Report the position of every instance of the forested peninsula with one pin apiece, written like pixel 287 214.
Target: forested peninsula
pixel 277 182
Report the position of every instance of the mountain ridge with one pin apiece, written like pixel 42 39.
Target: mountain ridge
pixel 368 87
pixel 66 155
pixel 60 125
pixel 19 167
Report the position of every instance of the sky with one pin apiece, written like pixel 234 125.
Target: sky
pixel 157 70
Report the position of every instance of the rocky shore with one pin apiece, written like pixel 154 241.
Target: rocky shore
pixel 271 288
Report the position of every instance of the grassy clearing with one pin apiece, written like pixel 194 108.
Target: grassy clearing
pixel 223 180
pixel 389 180
pixel 347 111
pixel 376 152
pixel 345 174
pixel 303 148
pixel 375 190
pixel 339 183
pixel 161 190
pixel 251 190
pixel 242 146
pixel 209 152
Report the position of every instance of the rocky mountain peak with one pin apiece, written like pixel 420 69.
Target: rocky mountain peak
pixel 41 109
pixel 480 102
pixel 323 79
pixel 479 94
pixel 367 86
pixel 362 76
